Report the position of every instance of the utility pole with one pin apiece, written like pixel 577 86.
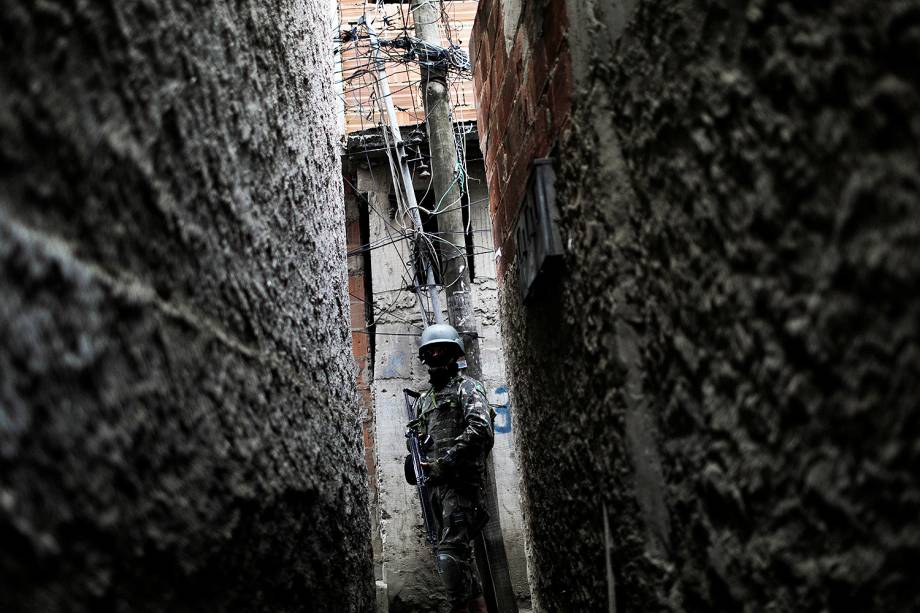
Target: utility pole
pixel 445 167
pixel 405 175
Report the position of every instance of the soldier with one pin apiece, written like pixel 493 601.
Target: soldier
pixel 454 412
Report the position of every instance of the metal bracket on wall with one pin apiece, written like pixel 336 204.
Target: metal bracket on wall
pixel 538 244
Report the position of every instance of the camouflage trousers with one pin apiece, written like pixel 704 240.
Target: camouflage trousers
pixel 459 519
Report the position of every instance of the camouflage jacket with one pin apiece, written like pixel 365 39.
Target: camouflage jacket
pixel 458 417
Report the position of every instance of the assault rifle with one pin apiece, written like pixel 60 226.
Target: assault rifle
pixel 416 443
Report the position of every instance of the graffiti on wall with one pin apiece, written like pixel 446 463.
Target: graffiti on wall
pixel 501 402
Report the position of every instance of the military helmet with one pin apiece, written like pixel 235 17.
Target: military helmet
pixel 440 333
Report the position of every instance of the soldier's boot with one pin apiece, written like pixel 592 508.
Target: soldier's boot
pixel 455 575
pixel 477 605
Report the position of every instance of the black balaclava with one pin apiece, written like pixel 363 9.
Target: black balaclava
pixel 441 371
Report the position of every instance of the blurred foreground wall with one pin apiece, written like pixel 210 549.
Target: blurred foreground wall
pixel 177 423
pixel 718 402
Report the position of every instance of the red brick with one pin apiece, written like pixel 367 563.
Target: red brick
pixel 528 138
pixel 478 31
pixel 504 262
pixel 529 145
pixel 490 156
pixel 519 39
pixel 494 199
pixel 532 93
pixel 495 196
pixel 486 25
pixel 541 131
pixel 561 93
pixel 352 235
pixel 482 111
pixel 484 99
pixel 483 9
pixel 499 62
pixel 504 226
pixel 501 166
pixel 498 228
pixel 495 241
pixel 514 136
pixel 511 208
pixel 509 221
pixel 523 112
pixel 482 117
pixel 359 343
pixel 518 178
pixel 528 105
pixel 367 441
pixel 499 50
pixel 555 25
pixel 502 212
pixel 356 285
pixel 357 308
pixel 506 99
pixel 484 59
pixel 515 59
pixel 489 163
pixel 498 165
pixel 557 13
pixel 494 23
pixel 495 84
pixel 539 69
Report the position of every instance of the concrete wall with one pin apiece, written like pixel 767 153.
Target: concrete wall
pixel 177 422
pixel 720 397
pixel 407 563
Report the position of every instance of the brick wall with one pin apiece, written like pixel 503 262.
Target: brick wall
pixel 359 318
pixel 358 90
pixel 524 91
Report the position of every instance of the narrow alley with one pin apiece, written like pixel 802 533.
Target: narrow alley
pixel 505 306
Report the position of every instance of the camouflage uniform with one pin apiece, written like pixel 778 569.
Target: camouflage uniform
pixel 458 418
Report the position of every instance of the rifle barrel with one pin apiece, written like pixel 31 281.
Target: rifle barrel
pixel 420 478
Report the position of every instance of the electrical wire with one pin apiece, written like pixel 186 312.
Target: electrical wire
pixel 402 53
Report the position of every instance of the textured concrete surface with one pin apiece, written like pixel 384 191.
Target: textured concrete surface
pixel 730 366
pixel 177 421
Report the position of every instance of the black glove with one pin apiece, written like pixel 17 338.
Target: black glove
pixel 436 472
